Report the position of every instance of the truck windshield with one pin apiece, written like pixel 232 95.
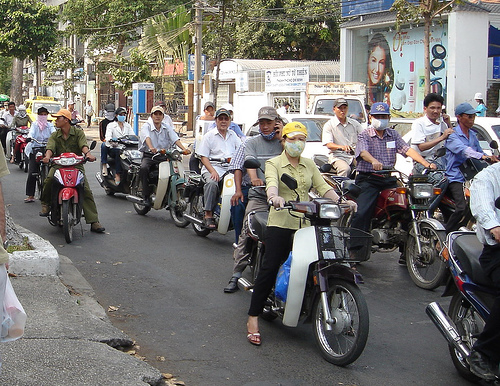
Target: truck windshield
pixel 53 107
pixel 356 109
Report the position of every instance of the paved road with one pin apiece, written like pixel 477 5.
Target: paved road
pixel 167 283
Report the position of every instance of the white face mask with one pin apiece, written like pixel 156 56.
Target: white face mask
pixel 380 124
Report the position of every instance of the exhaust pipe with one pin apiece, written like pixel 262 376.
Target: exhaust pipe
pixel 447 328
pixel 135 199
pixel 245 285
pixel 193 219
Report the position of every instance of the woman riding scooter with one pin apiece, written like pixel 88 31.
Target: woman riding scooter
pixel 115 130
pixel 21 119
pixel 40 131
pixel 281 225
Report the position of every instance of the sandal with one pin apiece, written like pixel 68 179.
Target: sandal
pixel 29 199
pixel 254 338
pixel 209 223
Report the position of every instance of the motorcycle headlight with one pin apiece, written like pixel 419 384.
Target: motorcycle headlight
pixel 66 161
pixel 331 211
pixel 134 153
pixel 422 190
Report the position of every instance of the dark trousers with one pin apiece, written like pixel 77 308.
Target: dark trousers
pixel 3 137
pixel 456 190
pixel 278 246
pixel 488 342
pixel 146 163
pixel 33 168
pixel 89 120
pixel 371 186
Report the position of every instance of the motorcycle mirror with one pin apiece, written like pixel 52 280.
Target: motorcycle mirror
pixel 325 168
pixel 93 144
pixel 497 203
pixel 350 187
pixel 440 152
pixel 494 145
pixel 291 182
pixel 251 163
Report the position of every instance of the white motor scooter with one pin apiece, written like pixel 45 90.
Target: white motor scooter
pixel 322 287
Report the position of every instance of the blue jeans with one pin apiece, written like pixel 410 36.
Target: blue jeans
pixel 115 153
pixel 238 213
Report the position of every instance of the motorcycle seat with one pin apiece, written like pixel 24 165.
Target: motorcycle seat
pixel 468 248
pixel 257 222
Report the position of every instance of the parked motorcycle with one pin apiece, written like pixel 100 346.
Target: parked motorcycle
pixel 128 155
pixel 323 289
pixel 67 192
pixel 195 196
pixel 19 144
pixel 167 182
pixel 401 220
pixel 472 293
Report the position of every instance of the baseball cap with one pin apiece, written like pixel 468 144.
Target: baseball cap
pixel 70 102
pixel 478 95
pixel 63 113
pixel 222 112
pixel 157 108
pixel 268 112
pixel 292 129
pixel 228 106
pixel 208 104
pixel 465 108
pixel 340 102
pixel 380 108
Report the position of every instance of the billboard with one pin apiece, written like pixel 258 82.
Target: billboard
pixel 395 67
pixel 287 79
pixel 363 7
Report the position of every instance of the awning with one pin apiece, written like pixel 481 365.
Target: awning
pixel 493 42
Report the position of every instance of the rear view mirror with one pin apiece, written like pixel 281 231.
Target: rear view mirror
pixel 325 168
pixel 251 163
pixel 494 144
pixel 440 152
pixel 93 145
pixel 289 181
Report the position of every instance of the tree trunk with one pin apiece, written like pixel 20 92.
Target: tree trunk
pixel 13 235
pixel 16 90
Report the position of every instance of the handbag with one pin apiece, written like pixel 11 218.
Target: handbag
pixel 14 317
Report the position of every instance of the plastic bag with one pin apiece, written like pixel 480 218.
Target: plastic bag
pixel 283 279
pixel 14 317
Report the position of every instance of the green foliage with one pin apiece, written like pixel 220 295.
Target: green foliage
pixel 127 71
pixel 408 11
pixel 5 74
pixel 27 28
pixel 111 23
pixel 60 60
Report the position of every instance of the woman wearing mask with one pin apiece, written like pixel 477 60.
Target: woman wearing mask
pixel 380 72
pixel 281 225
pixel 115 130
pixel 21 119
pixel 40 130
pixel 481 107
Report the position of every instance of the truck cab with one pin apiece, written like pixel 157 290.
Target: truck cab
pixel 323 105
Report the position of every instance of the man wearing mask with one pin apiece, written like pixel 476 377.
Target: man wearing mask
pixel 262 147
pixel 377 148
pixel 109 116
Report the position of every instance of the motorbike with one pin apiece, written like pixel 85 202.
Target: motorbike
pixel 195 197
pixel 67 192
pixel 167 182
pixel 43 169
pixel 19 142
pixel 472 294
pixel 323 288
pixel 128 156
pixel 401 220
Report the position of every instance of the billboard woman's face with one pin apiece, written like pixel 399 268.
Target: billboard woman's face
pixel 376 65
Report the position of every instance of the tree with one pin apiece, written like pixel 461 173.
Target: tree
pixel 408 11
pixel 60 60
pixel 5 74
pixel 110 23
pixel 27 30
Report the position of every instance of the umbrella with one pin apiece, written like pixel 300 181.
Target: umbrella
pixel 4 98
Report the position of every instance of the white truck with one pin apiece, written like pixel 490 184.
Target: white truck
pixel 322 95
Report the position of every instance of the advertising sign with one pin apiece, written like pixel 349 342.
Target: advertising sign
pixel 287 79
pixel 363 7
pixel 191 65
pixel 395 67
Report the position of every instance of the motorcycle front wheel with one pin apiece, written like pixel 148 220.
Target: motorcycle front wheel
pixel 427 270
pixel 177 209
pixel 346 340
pixel 469 325
pixel 68 217
pixel 196 210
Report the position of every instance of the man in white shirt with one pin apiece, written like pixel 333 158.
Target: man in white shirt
pixel 340 136
pixel 219 143
pixel 431 130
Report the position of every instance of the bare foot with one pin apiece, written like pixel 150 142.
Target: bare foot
pixel 253 324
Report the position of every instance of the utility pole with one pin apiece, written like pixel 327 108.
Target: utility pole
pixel 197 60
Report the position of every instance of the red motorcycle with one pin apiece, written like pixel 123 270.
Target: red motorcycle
pixel 19 145
pixel 67 192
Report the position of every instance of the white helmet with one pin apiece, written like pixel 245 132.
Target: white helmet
pixel 22 108
pixel 228 107
pixel 478 95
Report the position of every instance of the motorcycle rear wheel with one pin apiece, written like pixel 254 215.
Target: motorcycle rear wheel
pixel 347 339
pixel 196 210
pixel 176 211
pixel 139 209
pixel 466 319
pixel 68 217
pixel 426 271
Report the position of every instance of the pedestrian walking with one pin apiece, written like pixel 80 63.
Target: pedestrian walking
pixel 89 112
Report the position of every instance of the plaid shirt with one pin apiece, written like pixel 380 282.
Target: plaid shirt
pixel 237 164
pixel 382 149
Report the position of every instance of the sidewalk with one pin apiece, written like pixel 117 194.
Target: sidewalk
pixel 68 339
